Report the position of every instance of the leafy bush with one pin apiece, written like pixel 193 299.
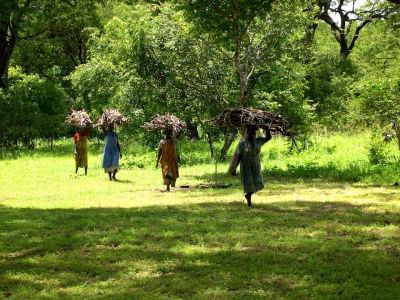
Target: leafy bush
pixel 379 99
pixel 379 152
pixel 31 108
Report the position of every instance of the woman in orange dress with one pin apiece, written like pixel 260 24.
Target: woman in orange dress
pixel 81 150
pixel 168 160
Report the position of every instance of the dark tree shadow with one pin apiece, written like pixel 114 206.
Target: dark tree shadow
pixel 310 173
pixel 223 251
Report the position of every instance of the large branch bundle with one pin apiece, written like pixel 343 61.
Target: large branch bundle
pixel 166 122
pixel 111 117
pixel 238 117
pixel 79 118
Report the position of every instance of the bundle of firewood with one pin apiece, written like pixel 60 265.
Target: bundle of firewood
pixel 111 117
pixel 79 119
pixel 239 117
pixel 166 122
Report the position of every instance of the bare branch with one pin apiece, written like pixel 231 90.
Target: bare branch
pixel 357 33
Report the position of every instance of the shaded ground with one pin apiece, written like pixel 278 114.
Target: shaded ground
pixel 298 249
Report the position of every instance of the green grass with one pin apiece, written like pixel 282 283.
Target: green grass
pixel 313 233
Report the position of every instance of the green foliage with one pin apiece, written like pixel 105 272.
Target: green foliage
pixel 217 17
pixel 146 62
pixel 282 87
pixel 189 57
pixel 330 83
pixel 57 35
pixel 309 229
pixel 379 99
pixel 31 108
pixel 380 152
pixel 337 157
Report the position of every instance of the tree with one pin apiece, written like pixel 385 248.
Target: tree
pixel 147 61
pixel 350 15
pixel 237 25
pixel 31 108
pixel 10 16
pixel 377 92
pixel 249 33
pixel 27 19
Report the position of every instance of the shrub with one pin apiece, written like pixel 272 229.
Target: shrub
pixel 31 108
pixel 379 152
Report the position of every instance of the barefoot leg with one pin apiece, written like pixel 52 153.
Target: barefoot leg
pixel 248 198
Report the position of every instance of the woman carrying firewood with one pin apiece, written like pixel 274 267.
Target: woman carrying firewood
pixel 81 150
pixel 168 159
pixel 247 154
pixel 83 124
pixel 111 153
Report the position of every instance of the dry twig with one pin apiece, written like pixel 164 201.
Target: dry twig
pixel 238 117
pixel 111 117
pixel 166 122
pixel 79 119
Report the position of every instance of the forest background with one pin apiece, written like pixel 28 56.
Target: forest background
pixel 325 227
pixel 325 65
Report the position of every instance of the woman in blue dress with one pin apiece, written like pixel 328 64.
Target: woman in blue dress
pixel 111 153
pixel 248 155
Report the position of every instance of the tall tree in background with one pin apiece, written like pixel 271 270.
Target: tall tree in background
pixel 238 26
pixel 64 44
pixel 249 33
pixel 11 14
pixel 22 20
pixel 351 19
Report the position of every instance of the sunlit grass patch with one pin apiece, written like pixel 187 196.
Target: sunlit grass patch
pixel 83 237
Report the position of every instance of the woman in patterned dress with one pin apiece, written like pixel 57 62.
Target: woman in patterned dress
pixel 247 154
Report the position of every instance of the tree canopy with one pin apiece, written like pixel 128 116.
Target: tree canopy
pixel 319 63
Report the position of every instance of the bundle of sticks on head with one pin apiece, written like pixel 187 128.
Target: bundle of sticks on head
pixel 240 117
pixel 111 117
pixel 79 119
pixel 166 123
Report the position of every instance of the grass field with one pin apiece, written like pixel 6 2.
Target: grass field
pixel 325 227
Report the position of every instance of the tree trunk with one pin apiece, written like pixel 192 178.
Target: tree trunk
pixel 209 138
pixel 344 49
pixel 3 73
pixel 210 143
pixel 244 94
pixel 396 127
pixel 192 131
pixel 227 144
pixel 8 38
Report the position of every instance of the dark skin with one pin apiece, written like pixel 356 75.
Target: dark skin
pixel 250 136
pixel 111 175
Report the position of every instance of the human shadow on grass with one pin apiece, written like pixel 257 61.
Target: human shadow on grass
pixel 226 251
pixel 279 183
